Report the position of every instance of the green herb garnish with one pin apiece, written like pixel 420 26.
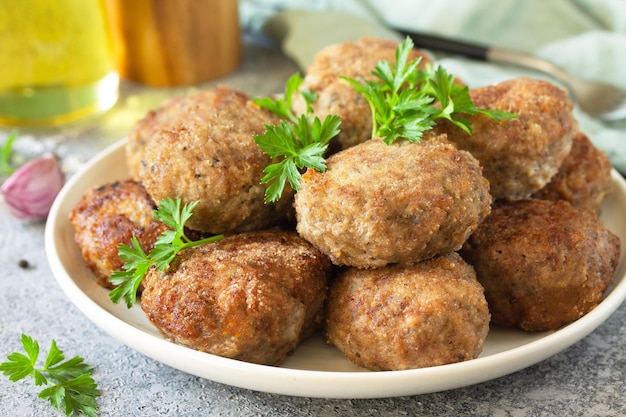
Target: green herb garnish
pixel 405 100
pixel 301 141
pixel 69 385
pixel 282 106
pixel 6 168
pixel 166 247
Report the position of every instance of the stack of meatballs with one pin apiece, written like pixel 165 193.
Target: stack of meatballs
pixel 403 255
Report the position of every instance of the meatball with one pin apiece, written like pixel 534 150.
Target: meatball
pixel 403 317
pixel 378 204
pixel 583 179
pixel 214 160
pixel 335 96
pixel 252 296
pixel 543 263
pixel 109 215
pixel 170 115
pixel 519 156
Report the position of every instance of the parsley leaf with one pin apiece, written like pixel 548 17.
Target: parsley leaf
pixel 283 106
pixel 6 168
pixel 406 100
pixel 137 263
pixel 299 141
pixel 69 385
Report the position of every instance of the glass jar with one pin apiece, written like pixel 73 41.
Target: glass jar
pixel 57 61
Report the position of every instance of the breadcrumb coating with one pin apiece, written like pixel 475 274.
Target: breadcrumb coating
pixel 378 204
pixel 518 156
pixel 404 317
pixel 543 263
pixel 251 296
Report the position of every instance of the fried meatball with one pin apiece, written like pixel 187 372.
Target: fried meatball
pixel 403 317
pixel 378 204
pixel 518 156
pixel 168 116
pixel 109 215
pixel 583 179
pixel 213 159
pixel 252 296
pixel 543 263
pixel 335 96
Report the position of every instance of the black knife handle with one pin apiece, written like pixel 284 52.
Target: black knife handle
pixel 442 44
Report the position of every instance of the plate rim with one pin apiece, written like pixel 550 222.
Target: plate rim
pixel 316 383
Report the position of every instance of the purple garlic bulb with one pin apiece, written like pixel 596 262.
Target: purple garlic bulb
pixel 30 191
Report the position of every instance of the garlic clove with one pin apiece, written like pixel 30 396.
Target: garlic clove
pixel 30 191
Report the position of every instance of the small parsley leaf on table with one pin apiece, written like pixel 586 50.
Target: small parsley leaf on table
pixel 68 383
pixel 6 168
pixel 173 213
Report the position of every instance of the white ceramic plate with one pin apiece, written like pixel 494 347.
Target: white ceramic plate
pixel 315 369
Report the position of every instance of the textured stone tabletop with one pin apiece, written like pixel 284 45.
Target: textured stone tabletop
pixel 586 379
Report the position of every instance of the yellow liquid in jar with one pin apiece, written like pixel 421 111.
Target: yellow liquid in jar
pixel 57 61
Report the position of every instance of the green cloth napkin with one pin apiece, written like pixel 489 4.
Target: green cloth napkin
pixel 585 37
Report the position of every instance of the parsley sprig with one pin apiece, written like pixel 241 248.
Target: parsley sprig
pixel 301 141
pixel 6 167
pixel 174 214
pixel 69 385
pixel 282 106
pixel 406 100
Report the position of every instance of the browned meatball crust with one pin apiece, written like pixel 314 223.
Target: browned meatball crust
pixel 378 204
pixel 583 179
pixel 335 96
pixel 518 156
pixel 543 263
pixel 252 296
pixel 109 215
pixel 169 115
pixel 404 317
pixel 213 159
